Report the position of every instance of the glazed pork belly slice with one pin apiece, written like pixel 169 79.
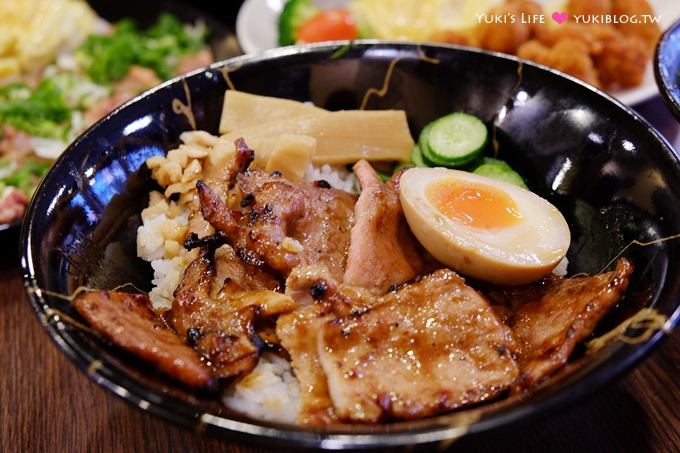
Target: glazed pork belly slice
pixel 281 224
pixel 309 287
pixel 223 327
pixel 550 317
pixel 383 251
pixel 431 346
pixel 319 301
pixel 298 331
pixel 128 321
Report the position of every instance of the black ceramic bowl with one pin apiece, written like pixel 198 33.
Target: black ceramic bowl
pixel 667 67
pixel 610 173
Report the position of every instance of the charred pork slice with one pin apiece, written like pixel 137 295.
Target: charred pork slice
pixel 128 321
pixel 551 318
pixel 432 346
pixel 382 251
pixel 282 224
pixel 222 328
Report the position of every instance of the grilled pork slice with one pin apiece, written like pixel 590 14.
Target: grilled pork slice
pixel 222 328
pixel 552 317
pixel 319 299
pixel 235 276
pixel 281 224
pixel 128 321
pixel 382 251
pixel 310 287
pixel 298 332
pixel 431 346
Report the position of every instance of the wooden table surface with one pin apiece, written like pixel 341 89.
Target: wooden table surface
pixel 46 404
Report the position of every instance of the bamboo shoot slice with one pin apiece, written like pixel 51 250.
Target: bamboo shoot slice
pixel 243 110
pixel 343 137
pixel 291 155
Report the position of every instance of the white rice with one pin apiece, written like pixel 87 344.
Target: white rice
pixel 338 176
pixel 151 247
pixel 561 268
pixel 270 392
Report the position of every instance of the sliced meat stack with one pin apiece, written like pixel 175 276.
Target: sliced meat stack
pixel 375 330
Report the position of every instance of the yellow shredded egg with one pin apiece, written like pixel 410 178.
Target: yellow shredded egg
pixel 35 31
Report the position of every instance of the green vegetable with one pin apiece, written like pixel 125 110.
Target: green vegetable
pixel 453 140
pixel 417 157
pixel 294 14
pixel 384 177
pixel 500 170
pixel 42 111
pixel 26 177
pixel 402 166
pixel 341 51
pixel 107 58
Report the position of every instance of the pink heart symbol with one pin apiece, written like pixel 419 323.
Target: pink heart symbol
pixel 560 18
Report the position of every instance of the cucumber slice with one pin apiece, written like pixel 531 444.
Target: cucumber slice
pixel 417 157
pixel 500 170
pixel 454 140
pixel 422 145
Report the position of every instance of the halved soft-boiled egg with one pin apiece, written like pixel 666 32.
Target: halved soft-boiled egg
pixel 484 228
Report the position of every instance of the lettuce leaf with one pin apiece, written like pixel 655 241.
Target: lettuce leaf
pixel 107 58
pixel 41 111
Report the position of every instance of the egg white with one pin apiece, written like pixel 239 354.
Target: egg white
pixel 512 255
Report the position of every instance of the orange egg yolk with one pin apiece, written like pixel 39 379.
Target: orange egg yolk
pixel 478 206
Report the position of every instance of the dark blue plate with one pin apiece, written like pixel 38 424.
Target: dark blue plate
pixel 667 67
pixel 611 174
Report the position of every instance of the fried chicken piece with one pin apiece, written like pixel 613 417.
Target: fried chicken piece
pixel 382 250
pixel 648 31
pixel 590 35
pixel 568 55
pixel 507 37
pixel 550 317
pixel 588 7
pixel 619 60
pixel 128 321
pixel 622 62
pixel 501 37
pixel 431 346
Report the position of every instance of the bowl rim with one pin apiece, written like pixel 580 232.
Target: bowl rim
pixel 664 84
pixel 621 358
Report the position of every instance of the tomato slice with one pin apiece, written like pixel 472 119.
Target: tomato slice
pixel 328 25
